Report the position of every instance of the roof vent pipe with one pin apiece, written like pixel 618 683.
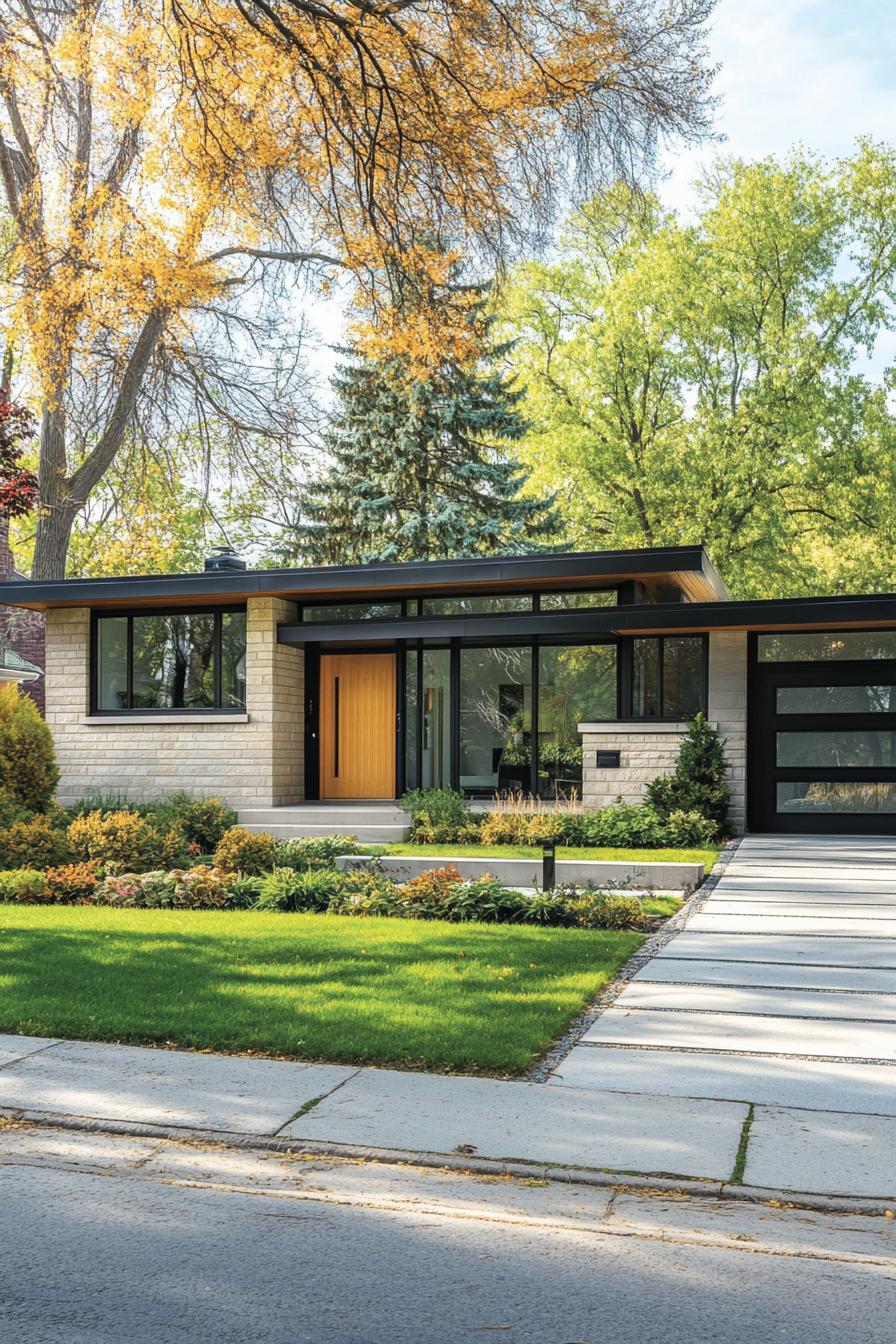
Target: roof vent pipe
pixel 223 558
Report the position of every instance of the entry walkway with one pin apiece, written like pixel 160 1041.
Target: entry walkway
pixel 780 992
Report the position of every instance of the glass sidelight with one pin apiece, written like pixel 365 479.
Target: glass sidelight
pixel 427 719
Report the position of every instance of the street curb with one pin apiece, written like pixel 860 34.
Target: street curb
pixel 618 1181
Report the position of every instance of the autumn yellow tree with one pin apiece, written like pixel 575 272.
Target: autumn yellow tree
pixel 166 162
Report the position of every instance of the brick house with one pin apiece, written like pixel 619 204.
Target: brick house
pixel 550 675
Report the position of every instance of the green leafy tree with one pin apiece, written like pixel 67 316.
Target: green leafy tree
pixel 420 462
pixel 701 382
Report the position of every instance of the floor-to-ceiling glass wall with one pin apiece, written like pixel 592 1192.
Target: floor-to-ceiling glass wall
pixel 576 684
pixel 495 719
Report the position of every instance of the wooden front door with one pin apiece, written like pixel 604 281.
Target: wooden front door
pixel 357 725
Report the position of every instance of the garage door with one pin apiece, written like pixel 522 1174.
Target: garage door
pixel 822 732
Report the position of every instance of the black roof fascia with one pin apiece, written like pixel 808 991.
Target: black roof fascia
pixel 355 580
pixel 781 613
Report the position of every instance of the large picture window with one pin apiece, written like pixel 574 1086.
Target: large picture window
pixel 189 660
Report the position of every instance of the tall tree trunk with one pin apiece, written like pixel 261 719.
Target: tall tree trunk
pixel 55 520
pixel 62 496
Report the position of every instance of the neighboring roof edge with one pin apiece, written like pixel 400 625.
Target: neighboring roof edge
pixel 224 585
pixel 13 667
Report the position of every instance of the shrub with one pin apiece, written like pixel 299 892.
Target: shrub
pixel 623 826
pixel 11 811
pixel 505 828
pixel 365 891
pixel 591 908
pixel 426 896
pixel 24 885
pixel 484 899
pixel 73 883
pixel 286 889
pixel 28 771
pixel 200 888
pixel 438 815
pixel 247 852
pixel 33 844
pixel 176 851
pixel 117 841
pixel 543 827
pixel 314 851
pixel 698 782
pixel 100 802
pixel 202 821
pixel 687 829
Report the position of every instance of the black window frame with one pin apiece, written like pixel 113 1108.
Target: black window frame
pixel 627 680
pixel 400 602
pixel 218 612
pixel 414 648
pixel 413 608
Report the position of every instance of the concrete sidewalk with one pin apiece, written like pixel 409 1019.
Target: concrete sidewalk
pixel 754 1052
pixel 560 1130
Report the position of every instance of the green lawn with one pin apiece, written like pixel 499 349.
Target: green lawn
pixel 469 997
pixel 705 856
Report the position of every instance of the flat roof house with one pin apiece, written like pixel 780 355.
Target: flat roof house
pixel 543 673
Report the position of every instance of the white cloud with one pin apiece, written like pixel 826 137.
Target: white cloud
pixel 813 72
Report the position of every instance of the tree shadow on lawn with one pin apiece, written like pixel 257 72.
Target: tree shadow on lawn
pixel 475 997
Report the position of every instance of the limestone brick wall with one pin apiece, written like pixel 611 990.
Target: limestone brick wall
pixel 251 759
pixel 645 750
pixel 648 749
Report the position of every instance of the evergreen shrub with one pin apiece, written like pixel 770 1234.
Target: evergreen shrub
pixel 28 773
pixel 33 844
pixel 698 783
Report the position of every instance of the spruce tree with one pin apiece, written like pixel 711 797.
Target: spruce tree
pixel 420 464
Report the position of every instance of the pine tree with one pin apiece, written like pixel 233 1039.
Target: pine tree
pixel 420 464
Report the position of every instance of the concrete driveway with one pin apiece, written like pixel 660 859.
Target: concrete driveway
pixel 780 991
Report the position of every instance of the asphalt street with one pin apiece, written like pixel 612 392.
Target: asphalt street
pixel 115 1241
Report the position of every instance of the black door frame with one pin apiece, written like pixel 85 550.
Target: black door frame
pixel 764 723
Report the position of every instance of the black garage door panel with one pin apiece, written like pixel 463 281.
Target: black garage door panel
pixel 822 746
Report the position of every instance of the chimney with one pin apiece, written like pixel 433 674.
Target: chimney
pixel 223 558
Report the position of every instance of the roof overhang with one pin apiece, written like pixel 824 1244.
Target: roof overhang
pixel 689 567
pixel 774 614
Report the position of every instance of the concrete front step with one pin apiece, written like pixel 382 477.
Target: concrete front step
pixel 373 823
pixel 324 813
pixel 371 835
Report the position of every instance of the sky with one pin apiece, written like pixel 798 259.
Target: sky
pixel 813 72
pixel 817 73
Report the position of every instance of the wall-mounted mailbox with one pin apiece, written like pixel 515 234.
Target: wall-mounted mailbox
pixel 608 760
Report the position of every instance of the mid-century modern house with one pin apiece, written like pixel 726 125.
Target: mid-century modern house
pixel 554 675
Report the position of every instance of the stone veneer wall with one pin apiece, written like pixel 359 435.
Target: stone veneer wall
pixel 256 759
pixel 648 748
